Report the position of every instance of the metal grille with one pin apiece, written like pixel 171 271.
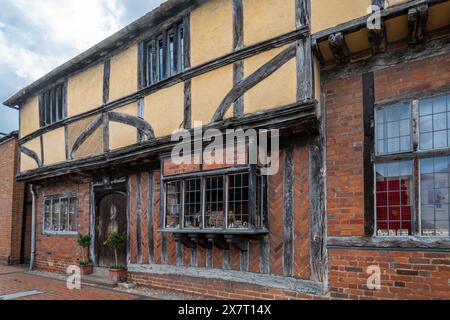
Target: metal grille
pixel 214 202
pixel 193 203
pixel 173 204
pixel 238 213
pixel 394 192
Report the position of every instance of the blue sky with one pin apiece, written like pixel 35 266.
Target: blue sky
pixel 36 36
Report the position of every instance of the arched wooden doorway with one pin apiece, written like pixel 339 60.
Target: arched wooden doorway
pixel 111 217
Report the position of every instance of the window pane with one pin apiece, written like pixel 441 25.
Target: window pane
pixel 214 202
pixel 394 204
pixel 149 66
pixel 73 214
pixel 161 59
pixel 55 214
pixel 173 204
pixel 238 213
pixel 434 123
pixel 393 132
pixel 181 48
pixel 64 225
pixel 47 216
pixel 171 44
pixel 434 188
pixel 192 203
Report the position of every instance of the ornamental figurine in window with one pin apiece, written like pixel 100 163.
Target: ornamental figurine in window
pixel 113 227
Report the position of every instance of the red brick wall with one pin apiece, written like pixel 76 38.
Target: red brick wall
pixel 217 288
pixel 56 252
pixel 405 275
pixel 11 204
pixel 345 176
pixel 413 78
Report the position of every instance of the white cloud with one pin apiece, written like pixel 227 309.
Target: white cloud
pixel 75 23
pixel 26 63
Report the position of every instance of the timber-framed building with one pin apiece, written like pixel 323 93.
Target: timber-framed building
pixel 363 115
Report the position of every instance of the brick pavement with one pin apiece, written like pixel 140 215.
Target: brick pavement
pixel 15 279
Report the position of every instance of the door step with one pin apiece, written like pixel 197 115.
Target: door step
pixel 100 277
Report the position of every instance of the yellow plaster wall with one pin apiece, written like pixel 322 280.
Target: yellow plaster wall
pixel 392 3
pixel 208 91
pixel 123 80
pixel 122 135
pixel 439 16
pixel 397 29
pixel 29 116
pixel 164 110
pixel 266 19
pixel 85 90
pixel 211 31
pixel 330 13
pixel 93 145
pixel 277 90
pixel 27 163
pixel 54 147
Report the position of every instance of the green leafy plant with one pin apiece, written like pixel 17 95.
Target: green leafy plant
pixel 84 263
pixel 84 241
pixel 115 241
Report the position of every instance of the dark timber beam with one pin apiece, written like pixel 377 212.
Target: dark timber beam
pixel 304 53
pixel 133 121
pixel 417 24
pixel 106 80
pixel 252 80
pixel 150 228
pixel 339 48
pixel 188 104
pixel 238 43
pixel 288 213
pixel 33 155
pixel 368 84
pixel 377 36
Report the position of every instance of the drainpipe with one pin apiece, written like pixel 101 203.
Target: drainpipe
pixel 33 226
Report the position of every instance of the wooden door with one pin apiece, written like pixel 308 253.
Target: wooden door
pixel 111 217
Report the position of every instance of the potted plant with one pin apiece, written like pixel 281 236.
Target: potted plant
pixel 86 267
pixel 118 273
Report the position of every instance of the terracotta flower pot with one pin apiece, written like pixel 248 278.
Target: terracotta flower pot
pixel 86 270
pixel 118 275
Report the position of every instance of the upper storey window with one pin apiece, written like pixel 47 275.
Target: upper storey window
pixel 52 106
pixel 164 56
pixel 412 194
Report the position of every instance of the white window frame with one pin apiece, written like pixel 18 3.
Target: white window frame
pixel 68 196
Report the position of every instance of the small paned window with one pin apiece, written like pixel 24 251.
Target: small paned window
pixel 60 214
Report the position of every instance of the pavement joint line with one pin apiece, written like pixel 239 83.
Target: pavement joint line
pixel 84 285
pixel 21 294
pixel 10 273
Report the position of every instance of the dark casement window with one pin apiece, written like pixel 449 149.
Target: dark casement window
pixel 52 105
pixel 216 202
pixel 422 177
pixel 164 56
pixel 60 214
